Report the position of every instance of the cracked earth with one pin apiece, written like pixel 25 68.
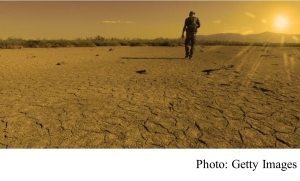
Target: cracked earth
pixel 148 97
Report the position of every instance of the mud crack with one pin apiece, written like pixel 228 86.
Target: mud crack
pixel 282 141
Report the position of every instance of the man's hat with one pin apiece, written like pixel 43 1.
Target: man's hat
pixel 192 12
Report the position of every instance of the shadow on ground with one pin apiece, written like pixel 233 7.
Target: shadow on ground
pixel 152 58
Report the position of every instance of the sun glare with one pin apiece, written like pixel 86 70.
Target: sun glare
pixel 281 22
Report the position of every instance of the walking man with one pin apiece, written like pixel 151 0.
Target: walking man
pixel 191 24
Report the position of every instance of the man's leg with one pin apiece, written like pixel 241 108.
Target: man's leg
pixel 187 51
pixel 193 43
pixel 187 42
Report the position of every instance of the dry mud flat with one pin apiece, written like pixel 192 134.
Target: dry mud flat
pixel 149 97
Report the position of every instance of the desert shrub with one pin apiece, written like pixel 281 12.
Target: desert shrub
pixel 34 44
pixel 12 42
pixel 98 38
pixel 292 45
pixel 137 43
pixel 83 43
pixel 61 43
pixel 98 41
pixel 125 43
pixel 171 43
pixel 112 43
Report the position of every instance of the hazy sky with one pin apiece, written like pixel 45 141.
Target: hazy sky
pixel 140 19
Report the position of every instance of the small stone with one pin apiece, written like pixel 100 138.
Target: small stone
pixel 141 71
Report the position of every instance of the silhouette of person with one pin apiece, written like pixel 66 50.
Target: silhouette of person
pixel 191 24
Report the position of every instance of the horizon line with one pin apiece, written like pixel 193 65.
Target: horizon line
pixel 136 38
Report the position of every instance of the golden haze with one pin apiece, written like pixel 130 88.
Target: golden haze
pixel 70 20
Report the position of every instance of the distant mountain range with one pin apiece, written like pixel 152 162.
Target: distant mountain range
pixel 261 37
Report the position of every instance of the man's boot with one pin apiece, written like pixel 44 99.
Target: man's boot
pixel 191 52
pixel 187 51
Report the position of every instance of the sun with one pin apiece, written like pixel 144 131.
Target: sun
pixel 281 22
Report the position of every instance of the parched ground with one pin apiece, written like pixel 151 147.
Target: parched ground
pixel 149 97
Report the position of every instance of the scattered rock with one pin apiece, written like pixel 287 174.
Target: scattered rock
pixel 223 85
pixel 97 55
pixel 262 89
pixel 208 71
pixel 60 63
pixel 228 67
pixel 171 106
pixel 141 71
pixel 110 49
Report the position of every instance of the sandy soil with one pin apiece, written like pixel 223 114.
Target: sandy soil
pixel 226 97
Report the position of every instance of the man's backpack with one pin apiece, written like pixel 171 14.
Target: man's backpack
pixel 192 24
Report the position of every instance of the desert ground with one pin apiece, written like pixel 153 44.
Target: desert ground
pixel 150 97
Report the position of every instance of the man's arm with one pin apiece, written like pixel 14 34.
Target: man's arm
pixel 198 23
pixel 183 30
